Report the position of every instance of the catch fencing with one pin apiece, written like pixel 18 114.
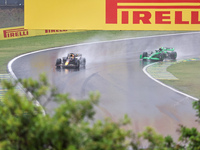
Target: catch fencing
pixel 11 2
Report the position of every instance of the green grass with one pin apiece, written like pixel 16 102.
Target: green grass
pixel 12 48
pixel 188 74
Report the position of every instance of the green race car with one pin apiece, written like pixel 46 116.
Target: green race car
pixel 160 54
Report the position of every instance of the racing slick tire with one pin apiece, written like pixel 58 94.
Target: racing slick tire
pixel 64 59
pixel 84 62
pixel 144 54
pixel 173 55
pixel 78 64
pixel 58 62
pixel 161 56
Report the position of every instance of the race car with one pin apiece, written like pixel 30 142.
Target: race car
pixel 73 60
pixel 160 54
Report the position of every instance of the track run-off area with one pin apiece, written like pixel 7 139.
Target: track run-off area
pixel 114 69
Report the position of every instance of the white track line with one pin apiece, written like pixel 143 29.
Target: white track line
pixel 145 71
pixel 9 67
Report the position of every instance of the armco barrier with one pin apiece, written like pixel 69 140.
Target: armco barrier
pixel 18 32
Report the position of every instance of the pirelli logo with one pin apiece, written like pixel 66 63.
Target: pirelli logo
pixel 152 12
pixel 55 31
pixel 18 32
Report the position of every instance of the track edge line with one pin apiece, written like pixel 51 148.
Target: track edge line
pixel 167 86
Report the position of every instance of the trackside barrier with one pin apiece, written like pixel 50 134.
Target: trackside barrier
pixel 19 32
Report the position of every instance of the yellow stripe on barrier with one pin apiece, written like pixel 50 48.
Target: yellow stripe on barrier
pixel 19 32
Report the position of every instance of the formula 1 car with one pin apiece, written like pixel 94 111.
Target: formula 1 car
pixel 160 54
pixel 73 60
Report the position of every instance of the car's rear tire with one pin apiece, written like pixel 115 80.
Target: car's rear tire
pixel 84 62
pixel 173 55
pixel 78 64
pixel 58 62
pixel 161 56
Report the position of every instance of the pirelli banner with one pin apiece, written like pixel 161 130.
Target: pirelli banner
pixel 113 14
pixel 18 32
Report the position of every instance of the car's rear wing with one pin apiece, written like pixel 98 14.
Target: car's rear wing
pixel 75 55
pixel 168 49
pixel 78 55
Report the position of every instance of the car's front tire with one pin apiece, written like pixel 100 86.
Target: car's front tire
pixel 145 54
pixel 64 59
pixel 173 55
pixel 161 56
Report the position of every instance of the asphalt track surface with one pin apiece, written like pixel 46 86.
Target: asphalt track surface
pixel 114 69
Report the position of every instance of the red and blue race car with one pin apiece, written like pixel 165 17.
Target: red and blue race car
pixel 73 60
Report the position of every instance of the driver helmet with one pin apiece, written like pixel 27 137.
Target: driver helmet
pixel 72 55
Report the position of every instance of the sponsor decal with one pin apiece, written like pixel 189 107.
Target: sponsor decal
pixel 164 11
pixel 54 31
pixel 18 32
pixel 113 15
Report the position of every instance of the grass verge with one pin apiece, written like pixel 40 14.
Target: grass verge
pixel 188 74
pixel 12 48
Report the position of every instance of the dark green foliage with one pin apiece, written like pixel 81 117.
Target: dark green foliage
pixel 196 106
pixel 71 127
pixel 191 136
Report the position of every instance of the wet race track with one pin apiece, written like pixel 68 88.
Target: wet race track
pixel 115 70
